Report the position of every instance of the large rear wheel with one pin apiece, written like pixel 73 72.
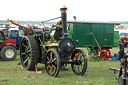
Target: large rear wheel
pixel 80 65
pixel 29 52
pixel 52 63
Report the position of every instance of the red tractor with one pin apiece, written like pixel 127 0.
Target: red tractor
pixel 7 48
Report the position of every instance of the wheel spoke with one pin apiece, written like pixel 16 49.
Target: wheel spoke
pixel 27 42
pixel 81 65
pixel 25 61
pixel 53 66
pixel 81 60
pixel 53 59
pixel 75 66
pixel 81 56
pixel 23 53
pixel 48 66
pixel 51 56
pixel 29 57
pixel 51 69
pixel 78 68
pixel 28 47
pixel 48 58
pixel 24 45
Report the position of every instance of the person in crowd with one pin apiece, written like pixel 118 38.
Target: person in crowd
pixel 121 49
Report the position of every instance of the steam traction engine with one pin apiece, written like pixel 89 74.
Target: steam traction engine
pixel 54 49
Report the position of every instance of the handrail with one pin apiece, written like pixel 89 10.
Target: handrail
pixel 96 42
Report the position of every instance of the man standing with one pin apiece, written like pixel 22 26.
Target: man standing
pixel 121 47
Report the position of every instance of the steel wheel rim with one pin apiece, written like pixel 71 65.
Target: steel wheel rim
pixel 9 53
pixel 25 53
pixel 51 63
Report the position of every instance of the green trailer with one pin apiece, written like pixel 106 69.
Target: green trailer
pixel 116 38
pixel 93 35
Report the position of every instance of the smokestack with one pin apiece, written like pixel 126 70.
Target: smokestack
pixel 74 18
pixel 64 20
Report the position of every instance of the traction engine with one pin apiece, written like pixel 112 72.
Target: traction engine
pixel 54 49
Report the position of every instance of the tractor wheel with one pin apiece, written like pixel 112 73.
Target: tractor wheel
pixel 29 52
pixel 8 53
pixel 79 66
pixel 52 62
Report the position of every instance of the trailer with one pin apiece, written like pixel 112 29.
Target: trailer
pixel 97 37
pixel 116 38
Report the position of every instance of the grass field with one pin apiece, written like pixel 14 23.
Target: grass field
pixel 97 74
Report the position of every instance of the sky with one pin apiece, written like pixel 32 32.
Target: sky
pixel 87 10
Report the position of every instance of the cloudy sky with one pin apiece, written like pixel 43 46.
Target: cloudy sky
pixel 88 10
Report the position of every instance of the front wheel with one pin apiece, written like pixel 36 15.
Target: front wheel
pixel 52 62
pixel 80 65
pixel 8 53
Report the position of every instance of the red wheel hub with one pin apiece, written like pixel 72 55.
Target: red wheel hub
pixel 77 56
pixel 105 54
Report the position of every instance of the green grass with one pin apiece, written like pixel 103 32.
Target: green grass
pixel 97 74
